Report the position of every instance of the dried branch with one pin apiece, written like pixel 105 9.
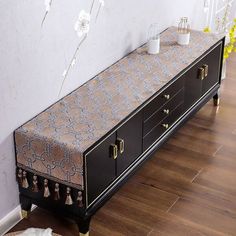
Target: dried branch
pixel 48 6
pixel 92 5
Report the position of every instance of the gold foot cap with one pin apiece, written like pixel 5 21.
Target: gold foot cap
pixel 81 234
pixel 24 214
pixel 216 102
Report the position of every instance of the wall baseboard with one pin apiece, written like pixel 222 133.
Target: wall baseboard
pixel 10 220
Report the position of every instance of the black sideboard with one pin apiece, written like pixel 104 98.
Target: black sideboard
pixel 112 159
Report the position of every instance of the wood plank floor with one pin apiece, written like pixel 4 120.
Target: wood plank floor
pixel 187 188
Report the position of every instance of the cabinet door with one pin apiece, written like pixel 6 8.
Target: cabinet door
pixel 101 169
pixel 193 86
pixel 130 136
pixel 212 61
pixel 197 85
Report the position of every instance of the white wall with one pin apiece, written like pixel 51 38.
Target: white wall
pixel 32 59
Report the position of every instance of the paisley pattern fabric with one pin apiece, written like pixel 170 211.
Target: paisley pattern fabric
pixel 53 142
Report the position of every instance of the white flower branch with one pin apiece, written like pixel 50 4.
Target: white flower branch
pixel 91 8
pixel 101 5
pixel 81 27
pixel 48 4
pixel 72 63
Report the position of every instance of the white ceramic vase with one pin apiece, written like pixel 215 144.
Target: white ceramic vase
pixel 154 46
pixel 183 39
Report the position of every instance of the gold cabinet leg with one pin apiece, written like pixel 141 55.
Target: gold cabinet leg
pixel 81 234
pixel 216 99
pixel 25 214
pixel 216 102
pixel 83 225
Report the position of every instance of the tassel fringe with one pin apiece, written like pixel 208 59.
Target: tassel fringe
pixel 20 177
pixel 35 187
pixel 57 192
pixel 46 192
pixel 69 200
pixel 25 183
pixel 80 199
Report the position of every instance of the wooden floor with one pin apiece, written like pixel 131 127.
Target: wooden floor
pixel 187 188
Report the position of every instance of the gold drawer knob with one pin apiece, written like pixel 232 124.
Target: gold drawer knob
pixel 114 151
pixel 166 111
pixel 206 69
pixel 167 96
pixel 201 73
pixel 166 126
pixel 121 145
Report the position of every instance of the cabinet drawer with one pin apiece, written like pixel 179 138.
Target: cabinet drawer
pixel 163 98
pixel 151 137
pixel 159 115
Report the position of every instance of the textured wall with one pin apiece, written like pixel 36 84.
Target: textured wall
pixel 33 58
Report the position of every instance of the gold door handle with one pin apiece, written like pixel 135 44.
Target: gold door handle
pixel 206 69
pixel 166 126
pixel 201 73
pixel 167 96
pixel 114 151
pixel 166 111
pixel 121 145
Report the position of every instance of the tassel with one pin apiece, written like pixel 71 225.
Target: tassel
pixel 20 177
pixel 68 197
pixel 79 199
pixel 57 192
pixel 35 187
pixel 46 192
pixel 25 183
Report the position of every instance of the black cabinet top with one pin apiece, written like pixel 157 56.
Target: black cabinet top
pixel 54 141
